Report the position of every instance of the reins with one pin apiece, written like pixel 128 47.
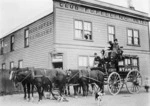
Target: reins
pixel 25 78
pixel 73 76
pixel 92 79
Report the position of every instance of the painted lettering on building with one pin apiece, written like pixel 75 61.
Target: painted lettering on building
pixel 101 13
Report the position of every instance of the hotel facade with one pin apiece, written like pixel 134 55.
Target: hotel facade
pixel 69 36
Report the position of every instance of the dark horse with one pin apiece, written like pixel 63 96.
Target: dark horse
pixel 43 79
pixel 85 77
pixel 55 77
pixel 91 76
pixel 24 77
pixel 74 80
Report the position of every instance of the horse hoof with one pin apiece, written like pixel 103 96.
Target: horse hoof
pixel 28 99
pixel 76 96
pixel 32 99
pixel 65 100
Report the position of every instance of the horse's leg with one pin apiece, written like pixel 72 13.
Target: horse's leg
pixel 28 90
pixel 84 86
pixel 24 87
pixel 79 89
pixel 92 86
pixel 68 90
pixel 39 89
pixel 32 89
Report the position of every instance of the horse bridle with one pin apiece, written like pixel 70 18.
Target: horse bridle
pixel 72 76
pixel 15 78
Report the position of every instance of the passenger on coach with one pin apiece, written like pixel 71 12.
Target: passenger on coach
pixel 96 60
pixel 116 47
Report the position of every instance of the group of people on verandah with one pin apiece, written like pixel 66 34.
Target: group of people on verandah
pixel 112 52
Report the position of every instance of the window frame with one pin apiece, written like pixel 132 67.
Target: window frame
pixel 2 47
pixel 26 39
pixel 83 30
pixel 19 63
pixel 10 64
pixel 3 67
pixel 86 61
pixel 12 43
pixel 114 35
pixel 133 37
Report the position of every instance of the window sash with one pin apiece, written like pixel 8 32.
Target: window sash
pixel 83 30
pixel 87 26
pixel 12 43
pixel 3 66
pixel 26 38
pixel 11 65
pixel 111 37
pixel 111 29
pixel 2 44
pixel 78 34
pixel 12 39
pixel 83 61
pixel 133 37
pixel 20 64
pixel 78 25
pixel 127 61
pixel 111 33
pixel 135 62
pixel 91 61
pixel 26 33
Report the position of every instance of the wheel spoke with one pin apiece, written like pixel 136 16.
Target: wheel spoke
pixel 133 81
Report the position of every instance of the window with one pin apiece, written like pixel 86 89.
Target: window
pixel 83 30
pixel 20 64
pixel 11 65
pixel 83 61
pixel 26 38
pixel 2 47
pixel 127 61
pixel 111 33
pixel 133 37
pixel 3 66
pixel 91 61
pixel 135 61
pixel 12 40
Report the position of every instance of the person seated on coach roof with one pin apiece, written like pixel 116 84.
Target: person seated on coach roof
pixel 116 47
pixel 96 60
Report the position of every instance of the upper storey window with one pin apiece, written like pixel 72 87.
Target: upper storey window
pixel 2 47
pixel 83 30
pixel 133 37
pixel 111 33
pixel 12 41
pixel 26 38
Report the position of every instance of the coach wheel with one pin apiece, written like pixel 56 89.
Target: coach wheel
pixel 114 83
pixel 134 81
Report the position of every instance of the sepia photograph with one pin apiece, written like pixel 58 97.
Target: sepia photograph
pixel 74 52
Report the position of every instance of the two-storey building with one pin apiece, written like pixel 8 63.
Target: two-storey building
pixel 76 29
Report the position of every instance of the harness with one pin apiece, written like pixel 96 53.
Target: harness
pixel 73 76
pixel 91 77
pixel 24 78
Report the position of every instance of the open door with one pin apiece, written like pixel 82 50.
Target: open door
pixel 57 60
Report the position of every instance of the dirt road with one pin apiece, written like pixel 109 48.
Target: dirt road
pixel 122 99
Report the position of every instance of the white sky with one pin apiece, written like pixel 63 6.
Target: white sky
pixel 15 12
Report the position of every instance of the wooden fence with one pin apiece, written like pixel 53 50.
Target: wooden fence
pixel 6 85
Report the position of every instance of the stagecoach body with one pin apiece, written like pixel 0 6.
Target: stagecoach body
pixel 127 74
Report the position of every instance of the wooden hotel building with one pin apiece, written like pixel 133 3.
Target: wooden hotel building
pixel 69 36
